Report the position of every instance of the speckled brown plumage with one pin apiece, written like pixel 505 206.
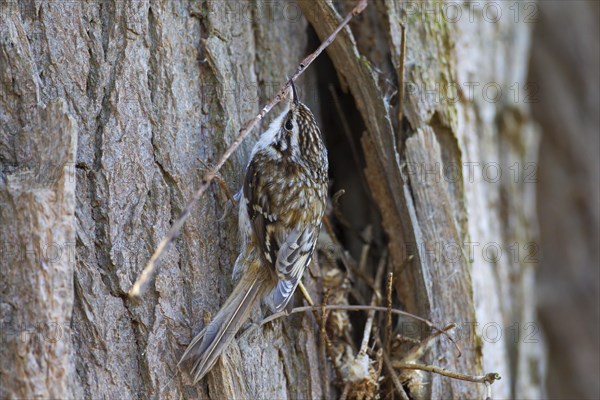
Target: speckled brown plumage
pixel 282 203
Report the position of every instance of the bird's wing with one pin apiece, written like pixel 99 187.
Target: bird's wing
pixel 294 255
pixel 257 194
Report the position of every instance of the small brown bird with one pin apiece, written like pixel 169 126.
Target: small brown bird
pixel 280 211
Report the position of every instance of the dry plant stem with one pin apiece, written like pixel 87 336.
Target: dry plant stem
pixel 335 206
pixel 305 294
pixel 324 315
pixel 366 334
pixel 336 198
pixel 362 263
pixel 388 321
pixel 323 346
pixel 487 378
pixel 408 339
pixel 379 359
pixel 324 338
pixel 359 308
pixel 417 352
pixel 331 353
pixel 374 301
pixel 345 392
pixel 220 181
pixel 142 282
pixel 388 324
pixel 350 308
pixel 394 377
pixel 225 189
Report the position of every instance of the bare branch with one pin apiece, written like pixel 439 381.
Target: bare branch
pixel 352 308
pixel 487 378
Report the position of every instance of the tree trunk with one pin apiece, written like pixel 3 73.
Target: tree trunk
pixel 111 111
pixel 564 66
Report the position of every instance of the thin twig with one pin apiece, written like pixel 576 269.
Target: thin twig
pixel 388 322
pixel 374 301
pixel 487 378
pixel 362 262
pixel 305 294
pixel 379 362
pixel 336 209
pixel 360 6
pixel 335 199
pixel 224 187
pixel 394 377
pixel 407 339
pixel 345 392
pixel 326 345
pixel 348 307
pixel 417 351
pixel 324 314
pixel 323 345
pixel 143 280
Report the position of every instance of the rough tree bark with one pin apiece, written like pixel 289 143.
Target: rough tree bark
pixel 108 113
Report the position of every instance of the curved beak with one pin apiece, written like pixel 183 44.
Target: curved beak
pixel 294 93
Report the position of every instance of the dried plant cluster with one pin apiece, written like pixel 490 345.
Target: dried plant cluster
pixel 381 362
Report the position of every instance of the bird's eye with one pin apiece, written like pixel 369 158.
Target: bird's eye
pixel 289 125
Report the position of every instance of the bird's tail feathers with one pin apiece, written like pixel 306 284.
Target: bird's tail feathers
pixel 204 350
